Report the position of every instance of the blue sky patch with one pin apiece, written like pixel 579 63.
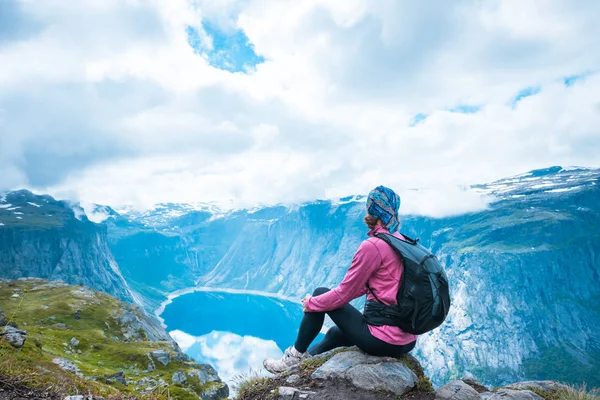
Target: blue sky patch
pixel 465 109
pixel 571 80
pixel 231 51
pixel 527 92
pixel 417 119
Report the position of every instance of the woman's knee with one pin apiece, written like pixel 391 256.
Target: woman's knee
pixel 320 290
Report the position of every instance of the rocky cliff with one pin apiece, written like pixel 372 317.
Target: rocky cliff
pixel 44 238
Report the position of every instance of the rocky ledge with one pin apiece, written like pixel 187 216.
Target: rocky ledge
pixel 350 374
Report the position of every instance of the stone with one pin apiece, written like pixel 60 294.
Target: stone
pixel 509 394
pixel 337 365
pixel 60 325
pixel 290 393
pixel 206 373
pixel 368 372
pixel 474 383
pixel 15 337
pixel 77 315
pixel 216 392
pixel 179 355
pixel 151 365
pixel 456 390
pixel 67 366
pixel 393 377
pixel 74 342
pixel 178 377
pixel 118 377
pixel 79 397
pixel 292 379
pixel 162 357
pixel 547 386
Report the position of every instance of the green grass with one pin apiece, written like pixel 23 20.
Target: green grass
pixel 100 354
pixel 256 388
pixel 571 393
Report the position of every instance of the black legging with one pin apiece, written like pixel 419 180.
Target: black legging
pixel 351 329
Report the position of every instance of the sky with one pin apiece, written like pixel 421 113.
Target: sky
pixel 138 102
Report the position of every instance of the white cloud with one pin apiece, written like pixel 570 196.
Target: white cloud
pixel 230 354
pixel 106 100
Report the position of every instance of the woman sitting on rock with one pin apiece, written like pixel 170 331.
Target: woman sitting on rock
pixel 376 264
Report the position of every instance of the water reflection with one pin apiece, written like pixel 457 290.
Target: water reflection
pixel 229 353
pixel 232 332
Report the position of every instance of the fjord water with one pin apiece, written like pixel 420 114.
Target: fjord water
pixel 232 332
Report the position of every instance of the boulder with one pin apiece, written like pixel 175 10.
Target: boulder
pixel 205 373
pixel 162 357
pixel 368 372
pixel 3 318
pixel 456 390
pixel 15 337
pixel 74 342
pixel 151 365
pixel 216 392
pixel 118 377
pixel 290 393
pixel 178 377
pixel 67 366
pixel 393 377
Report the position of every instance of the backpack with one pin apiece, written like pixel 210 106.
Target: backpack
pixel 423 298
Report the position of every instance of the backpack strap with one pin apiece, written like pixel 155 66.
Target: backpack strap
pixel 385 238
pixel 373 293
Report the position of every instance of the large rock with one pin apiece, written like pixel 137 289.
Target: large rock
pixel 540 385
pixel 394 377
pixel 67 366
pixel 290 393
pixel 178 377
pixel 15 337
pixel 509 394
pixel 206 373
pixel 216 392
pixel 162 357
pixel 456 390
pixel 368 372
pixel 118 377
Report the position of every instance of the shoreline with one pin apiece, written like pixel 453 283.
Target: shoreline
pixel 180 292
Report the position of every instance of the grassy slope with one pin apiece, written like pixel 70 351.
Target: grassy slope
pixel 97 326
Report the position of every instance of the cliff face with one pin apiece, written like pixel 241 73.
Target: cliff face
pixel 44 238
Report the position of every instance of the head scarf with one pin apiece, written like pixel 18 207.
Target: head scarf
pixel 384 203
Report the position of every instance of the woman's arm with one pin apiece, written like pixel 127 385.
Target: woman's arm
pixel 364 263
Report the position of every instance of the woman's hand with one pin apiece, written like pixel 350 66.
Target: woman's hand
pixel 304 300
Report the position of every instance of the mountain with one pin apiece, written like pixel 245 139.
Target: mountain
pixel 524 272
pixel 45 238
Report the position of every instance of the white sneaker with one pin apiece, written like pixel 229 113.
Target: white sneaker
pixel 291 357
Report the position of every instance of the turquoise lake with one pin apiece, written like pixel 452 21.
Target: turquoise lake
pixel 232 332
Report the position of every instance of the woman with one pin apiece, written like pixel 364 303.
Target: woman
pixel 376 264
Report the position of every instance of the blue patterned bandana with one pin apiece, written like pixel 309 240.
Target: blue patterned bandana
pixel 384 203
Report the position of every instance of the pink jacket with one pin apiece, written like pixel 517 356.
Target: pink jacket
pixel 375 262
